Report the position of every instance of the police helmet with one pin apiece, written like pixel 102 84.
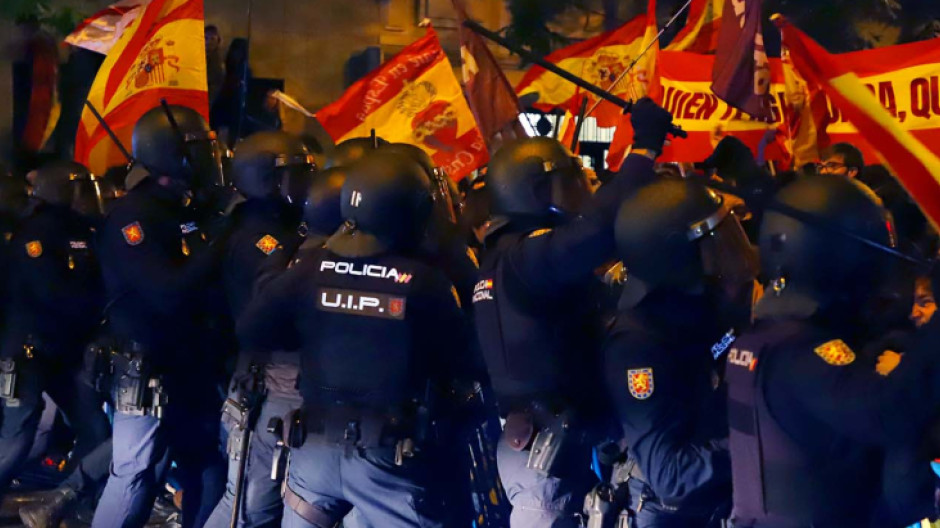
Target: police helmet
pixel 819 266
pixel 443 190
pixel 52 183
pixel 680 234
pixel 536 177
pixel 273 163
pixel 322 211
pixel 353 150
pixel 187 152
pixel 386 203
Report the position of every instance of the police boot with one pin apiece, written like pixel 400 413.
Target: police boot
pixel 49 511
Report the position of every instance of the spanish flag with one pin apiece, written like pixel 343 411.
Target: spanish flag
pixel 651 87
pixel 916 166
pixel 160 55
pixel 600 61
pixel 414 98
pixel 700 33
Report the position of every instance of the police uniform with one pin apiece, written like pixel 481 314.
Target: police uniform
pixel 56 296
pixel 264 236
pixel 380 334
pixel 663 378
pixel 155 284
pixel 688 288
pixel 807 418
pixel 164 373
pixel 394 313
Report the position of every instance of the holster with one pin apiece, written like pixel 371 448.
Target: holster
pixel 600 507
pixel 134 389
pixel 235 416
pixel 553 437
pixel 10 370
pixel 8 375
pixel 281 454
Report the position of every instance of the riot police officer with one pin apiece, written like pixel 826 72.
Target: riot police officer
pixel 165 403
pixel 537 322
pixel 804 413
pixel 379 332
pixel 272 170
pixel 690 270
pixel 56 296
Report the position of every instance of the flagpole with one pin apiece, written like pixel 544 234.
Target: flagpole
pixel 640 56
pixel 111 134
pixel 554 68
pixel 578 125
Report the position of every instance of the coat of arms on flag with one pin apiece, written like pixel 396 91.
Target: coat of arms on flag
pixel 640 383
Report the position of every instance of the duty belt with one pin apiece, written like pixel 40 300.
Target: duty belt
pixel 307 511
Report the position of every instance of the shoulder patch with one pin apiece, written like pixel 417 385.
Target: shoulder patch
pixel 539 232
pixel 836 353
pixel 473 258
pixel 640 383
pixel 267 244
pixel 133 233
pixel 34 249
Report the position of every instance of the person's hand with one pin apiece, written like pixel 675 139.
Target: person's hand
pixel 887 362
pixel 651 123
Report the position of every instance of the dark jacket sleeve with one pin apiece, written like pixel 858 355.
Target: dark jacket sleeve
pixel 675 467
pixel 269 321
pixel 162 282
pixel 855 400
pixel 565 255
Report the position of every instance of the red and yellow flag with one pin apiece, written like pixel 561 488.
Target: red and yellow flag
pixel 160 55
pixel 414 98
pixel 917 167
pixel 652 88
pixel 700 33
pixel 600 61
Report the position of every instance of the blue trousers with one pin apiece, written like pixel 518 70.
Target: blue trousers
pixel 334 481
pixel 143 449
pixel 540 501
pixel 261 501
pixel 77 400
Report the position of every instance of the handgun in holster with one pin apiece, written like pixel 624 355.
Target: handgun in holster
pixel 552 438
pixel 8 378
pixel 134 390
pixel 603 504
pixel 10 369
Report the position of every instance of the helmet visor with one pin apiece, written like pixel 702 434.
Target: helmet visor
pixel 728 258
pixel 569 186
pixel 298 172
pixel 205 155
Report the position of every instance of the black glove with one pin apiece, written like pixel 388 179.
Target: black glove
pixel 650 123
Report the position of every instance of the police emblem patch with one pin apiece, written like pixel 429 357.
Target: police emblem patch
pixel 267 244
pixel 133 233
pixel 34 248
pixel 539 232
pixel 836 352
pixel 640 383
